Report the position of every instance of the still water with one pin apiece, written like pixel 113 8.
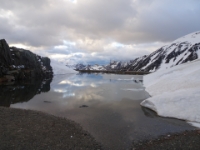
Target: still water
pixel 106 105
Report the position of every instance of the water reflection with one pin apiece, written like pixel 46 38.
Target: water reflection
pixel 149 113
pixel 106 105
pixel 22 91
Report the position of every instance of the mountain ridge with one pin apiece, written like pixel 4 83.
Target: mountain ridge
pixel 181 50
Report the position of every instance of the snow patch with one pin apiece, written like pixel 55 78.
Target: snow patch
pixel 59 68
pixel 198 53
pixel 175 92
pixel 125 79
pixel 195 124
pixel 141 89
pixel 191 38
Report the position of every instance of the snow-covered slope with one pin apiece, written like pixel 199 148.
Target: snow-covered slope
pixel 97 67
pixel 59 68
pixel 191 38
pixel 180 51
pixel 89 67
pixel 175 92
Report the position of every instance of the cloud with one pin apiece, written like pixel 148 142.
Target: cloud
pixel 93 26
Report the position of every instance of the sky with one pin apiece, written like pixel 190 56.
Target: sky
pixel 96 31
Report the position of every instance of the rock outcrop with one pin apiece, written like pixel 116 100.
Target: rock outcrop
pixel 20 64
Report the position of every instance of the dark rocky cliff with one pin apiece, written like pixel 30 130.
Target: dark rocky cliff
pixel 20 64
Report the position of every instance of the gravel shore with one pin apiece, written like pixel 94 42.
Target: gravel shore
pixel 26 129
pixel 188 140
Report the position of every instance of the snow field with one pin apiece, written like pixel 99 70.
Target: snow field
pixel 175 92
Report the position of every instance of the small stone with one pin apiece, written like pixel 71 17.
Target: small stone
pixel 83 106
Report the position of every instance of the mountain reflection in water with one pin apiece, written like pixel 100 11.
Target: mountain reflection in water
pixel 22 91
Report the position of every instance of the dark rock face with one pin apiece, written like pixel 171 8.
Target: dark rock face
pixel 5 55
pixel 22 64
pixel 80 66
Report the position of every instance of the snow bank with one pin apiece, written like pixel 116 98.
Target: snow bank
pixel 59 68
pixel 175 92
pixel 190 38
pixel 141 89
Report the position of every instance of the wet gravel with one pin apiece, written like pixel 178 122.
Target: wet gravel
pixel 188 140
pixel 28 130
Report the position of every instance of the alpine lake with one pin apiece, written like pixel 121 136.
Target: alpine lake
pixel 105 105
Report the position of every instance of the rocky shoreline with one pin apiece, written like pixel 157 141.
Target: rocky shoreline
pixel 26 129
pixel 188 140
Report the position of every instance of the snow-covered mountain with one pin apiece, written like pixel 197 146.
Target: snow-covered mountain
pixel 182 50
pixel 89 67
